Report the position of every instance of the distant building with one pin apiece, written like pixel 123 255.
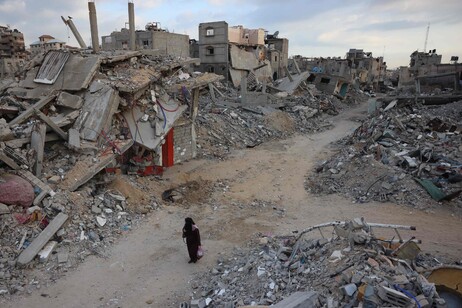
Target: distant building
pixel 11 43
pixel 236 51
pixel 430 72
pixel 278 54
pixel 153 37
pixel 366 68
pixel 45 43
pixel 13 53
pixel 419 58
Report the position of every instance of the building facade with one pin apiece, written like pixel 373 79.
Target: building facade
pixel 45 43
pixel 13 53
pixel 11 43
pixel 236 51
pixel 214 47
pixel 152 38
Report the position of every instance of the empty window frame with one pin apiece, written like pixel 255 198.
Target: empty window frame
pixel 325 80
pixel 210 51
pixel 209 32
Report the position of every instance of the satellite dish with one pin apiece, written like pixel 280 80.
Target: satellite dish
pixel 275 35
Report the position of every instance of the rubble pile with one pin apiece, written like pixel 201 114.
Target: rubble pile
pixel 64 119
pixel 354 267
pixel 404 154
pixel 226 124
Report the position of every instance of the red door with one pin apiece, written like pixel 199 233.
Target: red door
pixel 167 150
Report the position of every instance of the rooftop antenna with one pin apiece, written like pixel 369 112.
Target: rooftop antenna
pixel 426 37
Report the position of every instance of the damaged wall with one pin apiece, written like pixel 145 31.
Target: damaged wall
pixel 213 47
pixel 167 43
pixel 184 137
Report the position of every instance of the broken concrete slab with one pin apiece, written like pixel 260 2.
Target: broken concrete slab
pixel 97 111
pixel 87 167
pixel 45 253
pixel 74 138
pixel 76 75
pixel 242 59
pixel 299 300
pixel 37 244
pixel 143 133
pixel 69 101
pixel 63 257
pixel 286 85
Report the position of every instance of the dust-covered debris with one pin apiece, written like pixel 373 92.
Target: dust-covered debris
pixel 407 154
pixel 356 265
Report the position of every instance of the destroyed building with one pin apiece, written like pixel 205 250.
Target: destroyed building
pixel 45 43
pixel 426 70
pixel 421 58
pixel 278 53
pixel 236 51
pixel 154 37
pixel 366 68
pixel 12 50
pixel 335 75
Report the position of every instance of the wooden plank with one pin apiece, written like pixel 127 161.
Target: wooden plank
pixel 51 124
pixel 74 138
pixel 29 112
pixel 37 244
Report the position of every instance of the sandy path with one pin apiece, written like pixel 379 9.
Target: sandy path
pixel 148 267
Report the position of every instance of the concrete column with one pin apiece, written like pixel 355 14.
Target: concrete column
pixel 38 144
pixel 93 26
pixel 76 33
pixel 131 25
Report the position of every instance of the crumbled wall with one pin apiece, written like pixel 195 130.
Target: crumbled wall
pixel 184 141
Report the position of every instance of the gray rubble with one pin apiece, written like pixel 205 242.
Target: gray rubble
pixel 351 269
pixel 403 153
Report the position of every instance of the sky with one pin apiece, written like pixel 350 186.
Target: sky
pixel 389 28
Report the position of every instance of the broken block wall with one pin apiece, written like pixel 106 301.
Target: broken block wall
pixel 184 141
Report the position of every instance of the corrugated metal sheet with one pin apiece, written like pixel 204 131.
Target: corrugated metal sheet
pixel 51 67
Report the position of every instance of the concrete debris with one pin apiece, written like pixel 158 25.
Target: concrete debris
pixel 66 125
pixel 31 251
pixel 369 274
pixel 226 124
pixel 410 150
pixel 45 253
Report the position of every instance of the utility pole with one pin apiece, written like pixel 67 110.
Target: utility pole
pixel 426 38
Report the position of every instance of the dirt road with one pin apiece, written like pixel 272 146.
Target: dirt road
pixel 255 190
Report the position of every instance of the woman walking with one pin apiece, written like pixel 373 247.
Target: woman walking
pixel 193 239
